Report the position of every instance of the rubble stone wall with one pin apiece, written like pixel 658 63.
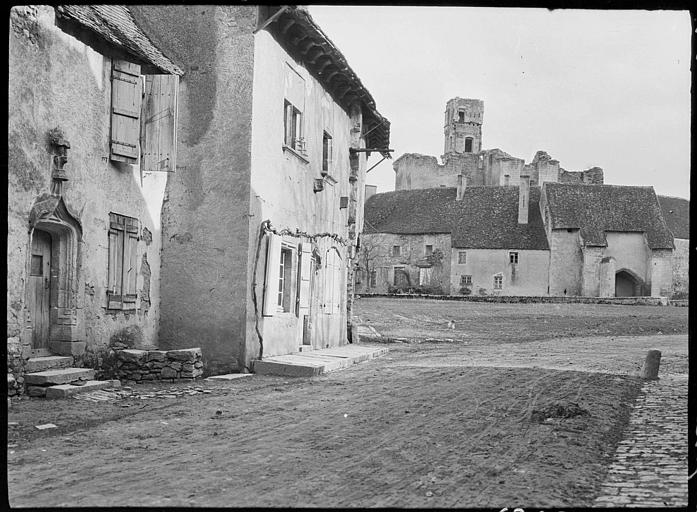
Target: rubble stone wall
pixel 167 365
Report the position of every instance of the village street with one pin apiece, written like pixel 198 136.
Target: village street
pixel 431 424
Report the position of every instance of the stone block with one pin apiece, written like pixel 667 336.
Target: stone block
pixel 60 376
pixel 64 390
pixel 230 376
pixel 148 376
pixel 188 367
pixel 11 381
pixel 187 375
pixel 132 355
pixel 168 373
pixel 175 365
pixel 40 364
pixel 157 355
pixel 198 364
pixel 188 354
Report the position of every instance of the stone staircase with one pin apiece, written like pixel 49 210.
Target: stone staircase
pixel 54 377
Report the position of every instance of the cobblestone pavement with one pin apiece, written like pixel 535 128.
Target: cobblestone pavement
pixel 650 465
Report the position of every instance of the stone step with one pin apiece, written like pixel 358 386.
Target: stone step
pixel 59 376
pixel 65 390
pixel 41 364
pixel 317 362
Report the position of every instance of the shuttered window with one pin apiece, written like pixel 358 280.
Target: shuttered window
pixel 332 282
pixel 273 262
pixel 159 123
pixel 123 260
pixel 126 97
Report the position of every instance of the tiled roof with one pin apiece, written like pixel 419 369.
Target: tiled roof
pixel 676 213
pixel 486 217
pixel 596 209
pixel 115 25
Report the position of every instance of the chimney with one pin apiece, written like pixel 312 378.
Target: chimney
pixel 370 190
pixel 461 186
pixel 523 199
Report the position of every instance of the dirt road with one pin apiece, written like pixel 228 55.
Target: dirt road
pixel 428 425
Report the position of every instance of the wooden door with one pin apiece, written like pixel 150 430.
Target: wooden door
pixel 40 288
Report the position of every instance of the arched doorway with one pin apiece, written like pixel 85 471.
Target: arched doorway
pixel 627 284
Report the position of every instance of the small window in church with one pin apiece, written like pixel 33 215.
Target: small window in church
pixel 461 116
pixel 513 257
pixel 429 250
pixel 462 257
pixel 396 250
pixel 498 282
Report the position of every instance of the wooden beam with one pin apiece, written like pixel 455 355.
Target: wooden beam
pixel 287 25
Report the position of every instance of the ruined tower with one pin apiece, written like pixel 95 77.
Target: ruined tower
pixel 463 126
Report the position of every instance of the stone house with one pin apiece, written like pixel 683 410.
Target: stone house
pixel 83 226
pixel 203 188
pixel 676 213
pixel 558 239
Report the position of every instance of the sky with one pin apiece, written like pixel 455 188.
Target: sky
pixel 590 87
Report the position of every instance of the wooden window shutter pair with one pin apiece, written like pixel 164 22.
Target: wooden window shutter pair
pixel 123 262
pixel 143 118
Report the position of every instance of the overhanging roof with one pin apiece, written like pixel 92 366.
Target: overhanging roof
pixel 295 30
pixel 115 26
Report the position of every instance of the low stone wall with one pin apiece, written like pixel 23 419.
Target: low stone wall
pixel 15 367
pixel 164 365
pixel 627 301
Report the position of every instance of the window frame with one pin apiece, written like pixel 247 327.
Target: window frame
pixel 285 280
pixel 396 251
pixel 327 153
pixel 427 251
pixel 293 129
pixel 513 257
pixel 465 280
pixel 462 257
pixel 470 141
pixel 498 282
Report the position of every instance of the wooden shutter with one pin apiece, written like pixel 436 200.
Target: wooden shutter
pixel 130 262
pixel 159 125
pixel 304 275
pixel 126 95
pixel 114 292
pixel 338 272
pixel 273 263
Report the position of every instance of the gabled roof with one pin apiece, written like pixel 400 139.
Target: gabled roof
pixel 596 209
pixel 676 213
pixel 485 218
pixel 296 31
pixel 114 25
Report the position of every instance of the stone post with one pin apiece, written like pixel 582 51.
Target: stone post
pixel 651 364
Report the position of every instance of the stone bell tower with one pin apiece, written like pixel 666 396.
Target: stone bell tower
pixel 463 126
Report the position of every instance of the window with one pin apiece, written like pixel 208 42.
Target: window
pixel 461 257
pixel 513 257
pixel 396 250
pixel 293 128
pixel 468 144
pixel 143 118
pixel 429 250
pixel 294 106
pixel 123 258
pixel 372 279
pixel 498 282
pixel 461 116
pixel 284 284
pixel 465 280
pixel 326 153
pixel 279 282
pixel 425 276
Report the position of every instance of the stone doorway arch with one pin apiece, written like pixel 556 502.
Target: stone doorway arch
pixel 628 284
pixel 51 218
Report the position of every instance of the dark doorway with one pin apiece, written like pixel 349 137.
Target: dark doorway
pixel 627 285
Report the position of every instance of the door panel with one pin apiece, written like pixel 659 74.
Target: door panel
pixel 40 288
